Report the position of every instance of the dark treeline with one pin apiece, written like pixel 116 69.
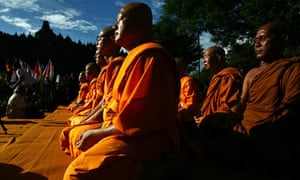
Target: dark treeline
pixel 68 59
pixel 66 55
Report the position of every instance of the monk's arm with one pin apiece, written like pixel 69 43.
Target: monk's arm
pixel 231 89
pixel 96 113
pixel 240 106
pixel 92 136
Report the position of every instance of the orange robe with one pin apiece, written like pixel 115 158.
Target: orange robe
pixel 88 99
pixel 190 97
pixel 70 135
pixel 274 99
pixel 111 75
pixel 144 109
pixel 99 87
pixel 223 92
pixel 83 90
pixel 81 111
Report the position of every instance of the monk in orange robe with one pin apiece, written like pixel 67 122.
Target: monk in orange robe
pixel 83 90
pixel 143 108
pixel 190 96
pixel 272 110
pixel 223 93
pixel 110 52
pixel 92 70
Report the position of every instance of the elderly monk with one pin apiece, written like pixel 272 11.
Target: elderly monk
pixel 106 48
pixel 224 90
pixel 143 108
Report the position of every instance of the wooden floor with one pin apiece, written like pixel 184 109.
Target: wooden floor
pixel 31 150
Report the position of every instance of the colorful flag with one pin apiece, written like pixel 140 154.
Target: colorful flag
pixel 49 71
pixel 36 74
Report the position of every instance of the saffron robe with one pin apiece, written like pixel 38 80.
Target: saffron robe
pixel 190 97
pixel 144 108
pixel 88 99
pixel 99 87
pixel 83 90
pixel 70 135
pixel 274 98
pixel 80 112
pixel 223 92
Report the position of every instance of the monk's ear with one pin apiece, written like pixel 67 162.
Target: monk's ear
pixel 219 57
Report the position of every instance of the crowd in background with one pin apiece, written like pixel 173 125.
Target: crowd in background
pixel 45 85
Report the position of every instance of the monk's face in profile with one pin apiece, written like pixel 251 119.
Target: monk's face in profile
pixel 98 56
pixel 105 42
pixel 268 45
pixel 124 32
pixel 133 25
pixel 81 77
pixel 210 60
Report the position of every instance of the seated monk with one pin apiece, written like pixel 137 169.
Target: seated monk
pixel 223 93
pixel 91 71
pixel 222 98
pixel 189 99
pixel 107 49
pixel 143 107
pixel 83 90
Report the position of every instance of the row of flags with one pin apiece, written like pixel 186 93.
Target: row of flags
pixel 47 72
pixel 39 71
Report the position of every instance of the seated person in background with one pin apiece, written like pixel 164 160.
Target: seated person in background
pixel 222 96
pixel 23 77
pixel 190 96
pixel 225 88
pixel 91 72
pixel 17 106
pixel 83 90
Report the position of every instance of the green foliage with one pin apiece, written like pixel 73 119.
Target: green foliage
pixel 232 24
pixel 179 35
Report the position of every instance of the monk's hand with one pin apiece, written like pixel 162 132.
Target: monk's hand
pixel 88 138
pixel 198 120
pixel 239 128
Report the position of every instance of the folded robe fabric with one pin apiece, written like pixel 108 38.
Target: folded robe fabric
pixel 99 87
pixel 190 94
pixel 89 98
pixel 223 92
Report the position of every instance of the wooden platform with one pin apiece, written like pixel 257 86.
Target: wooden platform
pixel 30 149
